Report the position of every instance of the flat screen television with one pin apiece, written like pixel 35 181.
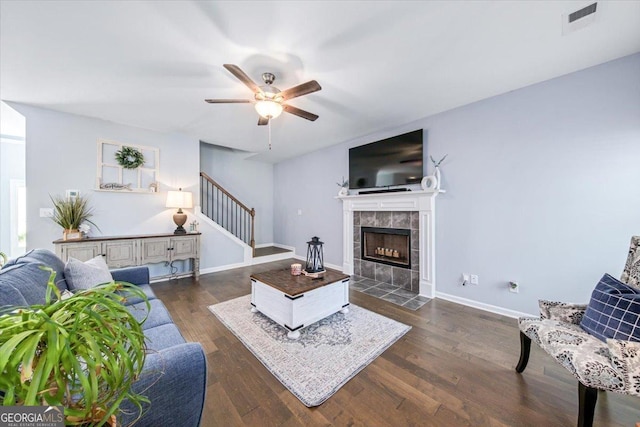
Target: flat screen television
pixel 388 162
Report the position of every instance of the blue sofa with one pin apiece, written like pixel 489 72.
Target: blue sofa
pixel 174 374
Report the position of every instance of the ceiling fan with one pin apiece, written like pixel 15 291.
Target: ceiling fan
pixel 269 100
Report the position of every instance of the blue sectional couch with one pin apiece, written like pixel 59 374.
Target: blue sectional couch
pixel 174 375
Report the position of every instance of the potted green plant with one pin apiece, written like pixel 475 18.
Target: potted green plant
pixel 70 214
pixel 83 352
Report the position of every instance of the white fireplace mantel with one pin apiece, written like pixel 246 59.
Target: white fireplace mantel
pixel 412 201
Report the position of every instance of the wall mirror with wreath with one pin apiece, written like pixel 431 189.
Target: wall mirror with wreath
pixel 127 168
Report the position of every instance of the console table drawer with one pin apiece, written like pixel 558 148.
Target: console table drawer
pixel 120 254
pixel 155 250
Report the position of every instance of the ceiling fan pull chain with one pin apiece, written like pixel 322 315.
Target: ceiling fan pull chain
pixel 269 134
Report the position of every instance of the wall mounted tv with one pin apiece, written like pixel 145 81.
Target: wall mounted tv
pixel 392 161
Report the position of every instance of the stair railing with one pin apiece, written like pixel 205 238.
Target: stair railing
pixel 227 211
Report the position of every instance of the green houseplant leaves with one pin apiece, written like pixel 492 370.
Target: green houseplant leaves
pixel 71 213
pixel 83 352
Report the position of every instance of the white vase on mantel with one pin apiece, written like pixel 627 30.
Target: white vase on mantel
pixel 428 183
pixel 343 191
pixel 436 174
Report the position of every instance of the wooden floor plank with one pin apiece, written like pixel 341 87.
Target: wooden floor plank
pixel 454 368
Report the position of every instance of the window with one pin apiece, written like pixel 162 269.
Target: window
pixel 13 196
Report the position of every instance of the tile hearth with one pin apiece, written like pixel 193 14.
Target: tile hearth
pixel 398 276
pixel 388 292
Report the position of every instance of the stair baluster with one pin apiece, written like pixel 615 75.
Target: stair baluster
pixel 227 211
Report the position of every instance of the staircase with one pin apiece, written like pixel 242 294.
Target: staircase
pixel 224 209
pixel 237 219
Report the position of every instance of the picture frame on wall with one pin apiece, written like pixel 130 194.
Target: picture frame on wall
pixel 115 174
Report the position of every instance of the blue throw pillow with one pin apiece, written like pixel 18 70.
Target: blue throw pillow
pixel 45 257
pixel 29 279
pixel 613 311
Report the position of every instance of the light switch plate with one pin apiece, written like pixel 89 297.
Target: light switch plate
pixel 46 212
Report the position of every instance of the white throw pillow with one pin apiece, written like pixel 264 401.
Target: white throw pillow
pixel 86 275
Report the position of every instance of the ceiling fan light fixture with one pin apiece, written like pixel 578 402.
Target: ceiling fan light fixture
pixel 268 100
pixel 268 109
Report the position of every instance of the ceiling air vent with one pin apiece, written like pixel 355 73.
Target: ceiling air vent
pixel 578 19
pixel 585 11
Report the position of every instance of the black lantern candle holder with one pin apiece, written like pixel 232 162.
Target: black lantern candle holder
pixel 315 263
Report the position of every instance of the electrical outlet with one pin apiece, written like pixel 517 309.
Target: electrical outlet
pixel 514 287
pixel 474 279
pixel 465 279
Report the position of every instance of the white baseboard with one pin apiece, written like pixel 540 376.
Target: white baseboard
pixel 271 258
pixel 262 260
pixel 289 248
pixel 223 268
pixel 177 276
pixel 275 257
pixel 441 295
pixel 276 245
pixel 482 306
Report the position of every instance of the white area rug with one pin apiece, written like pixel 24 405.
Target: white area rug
pixel 328 353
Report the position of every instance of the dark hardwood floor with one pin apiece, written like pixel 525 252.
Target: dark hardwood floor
pixel 454 368
pixel 269 250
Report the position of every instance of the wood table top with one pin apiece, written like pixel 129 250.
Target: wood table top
pixel 133 236
pixel 283 281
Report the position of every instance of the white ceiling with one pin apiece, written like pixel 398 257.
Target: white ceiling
pixel 381 64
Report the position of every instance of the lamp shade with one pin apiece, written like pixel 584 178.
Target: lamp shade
pixel 179 199
pixel 268 109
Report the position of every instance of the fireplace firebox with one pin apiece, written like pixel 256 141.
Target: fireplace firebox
pixel 391 246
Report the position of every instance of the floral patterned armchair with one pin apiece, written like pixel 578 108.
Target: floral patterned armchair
pixel 613 365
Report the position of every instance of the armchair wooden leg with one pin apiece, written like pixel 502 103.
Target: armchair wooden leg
pixel 525 348
pixel 587 397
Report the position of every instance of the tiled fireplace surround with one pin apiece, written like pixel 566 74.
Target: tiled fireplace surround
pixel 408 279
pixel 414 210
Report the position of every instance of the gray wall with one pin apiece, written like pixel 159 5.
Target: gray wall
pixel 61 154
pixel 249 181
pixel 542 188
pixel 308 184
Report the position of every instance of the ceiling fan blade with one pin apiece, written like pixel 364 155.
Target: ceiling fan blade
pixel 227 101
pixel 300 113
pixel 303 89
pixel 262 121
pixel 241 75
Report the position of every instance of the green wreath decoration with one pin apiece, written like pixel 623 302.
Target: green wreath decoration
pixel 129 158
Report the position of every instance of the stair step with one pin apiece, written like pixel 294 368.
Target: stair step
pixel 269 250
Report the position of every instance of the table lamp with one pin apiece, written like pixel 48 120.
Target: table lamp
pixel 179 199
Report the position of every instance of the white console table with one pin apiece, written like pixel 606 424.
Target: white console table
pixel 126 251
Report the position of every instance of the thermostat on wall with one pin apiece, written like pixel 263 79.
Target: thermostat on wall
pixel 72 194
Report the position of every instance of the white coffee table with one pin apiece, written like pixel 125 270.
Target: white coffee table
pixel 295 302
